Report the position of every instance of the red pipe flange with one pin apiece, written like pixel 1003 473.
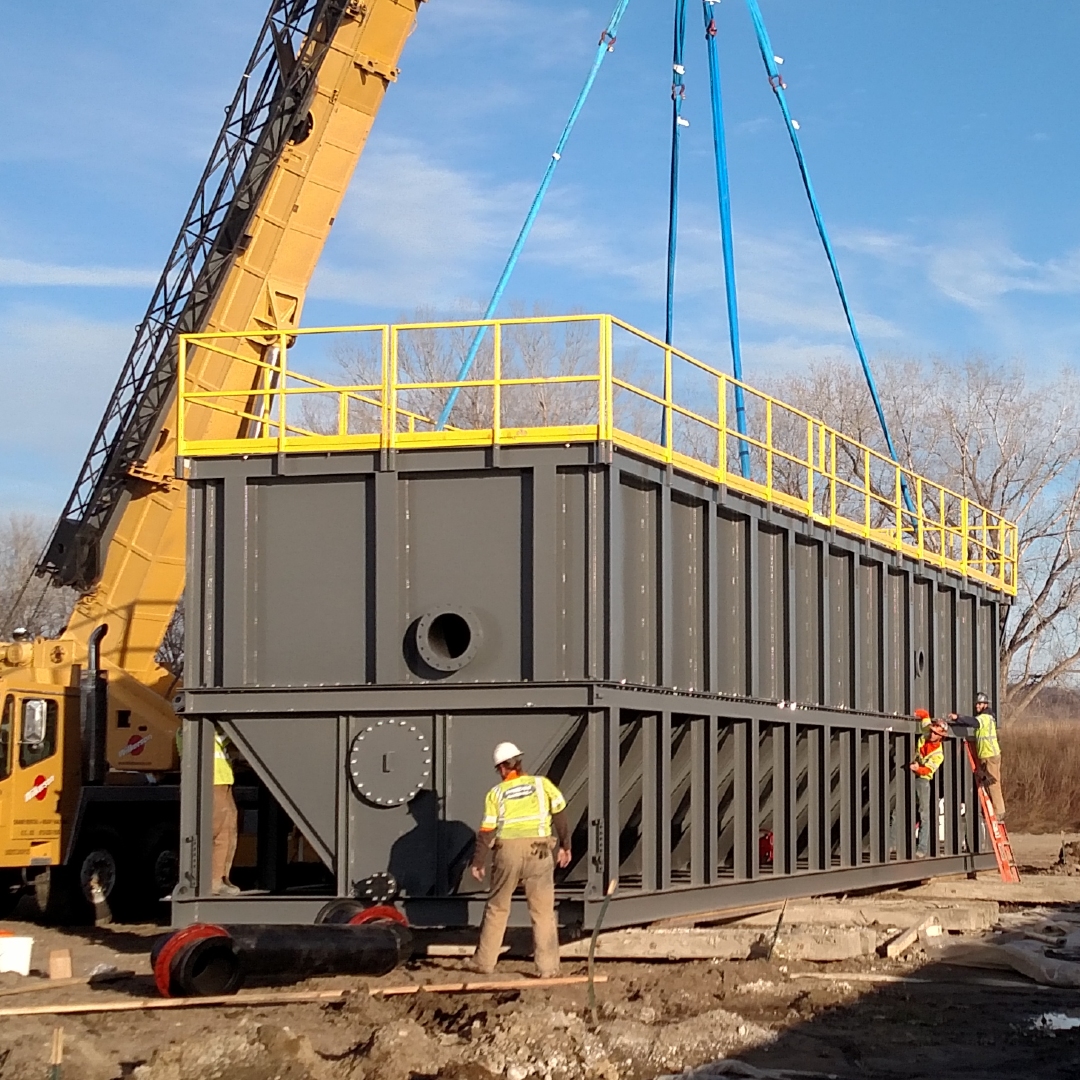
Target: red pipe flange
pixel 172 947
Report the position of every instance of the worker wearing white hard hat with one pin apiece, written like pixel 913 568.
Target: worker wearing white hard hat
pixel 526 830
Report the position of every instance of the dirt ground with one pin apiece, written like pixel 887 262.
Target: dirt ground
pixel 653 1019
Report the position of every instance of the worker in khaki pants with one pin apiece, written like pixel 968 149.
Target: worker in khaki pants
pixel 224 821
pixel 520 813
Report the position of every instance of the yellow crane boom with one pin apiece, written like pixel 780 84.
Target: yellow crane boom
pixel 353 48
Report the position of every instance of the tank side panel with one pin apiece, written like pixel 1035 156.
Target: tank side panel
pixel 965 651
pixel 552 744
pixel 897 637
pixel 841 629
pixel 202 623
pixel 945 629
pixel 733 604
pixel 922 613
pixel 771 566
pixel 986 675
pixel 806 567
pixel 309 565
pixel 464 546
pixel 868 696
pixel 638 505
pixel 687 576
pixel 571 573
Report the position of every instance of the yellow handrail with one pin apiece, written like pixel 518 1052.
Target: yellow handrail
pixel 651 399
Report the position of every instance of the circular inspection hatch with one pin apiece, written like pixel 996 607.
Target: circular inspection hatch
pixel 390 761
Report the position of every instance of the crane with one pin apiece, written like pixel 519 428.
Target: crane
pixel 86 721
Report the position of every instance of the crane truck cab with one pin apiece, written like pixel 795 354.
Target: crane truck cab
pixel 88 781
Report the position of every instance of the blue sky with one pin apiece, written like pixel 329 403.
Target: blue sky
pixel 941 138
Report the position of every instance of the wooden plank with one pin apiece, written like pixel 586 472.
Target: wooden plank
pixel 478 986
pixel 906 938
pixel 864 977
pixel 300 997
pixel 139 1004
pixel 58 984
pixel 60 964
pixel 717 916
pixel 457 951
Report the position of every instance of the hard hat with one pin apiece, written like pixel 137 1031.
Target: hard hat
pixel 939 727
pixel 504 752
pixel 981 699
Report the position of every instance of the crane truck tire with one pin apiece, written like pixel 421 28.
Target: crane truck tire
pixel 11 890
pixel 97 874
pixel 159 868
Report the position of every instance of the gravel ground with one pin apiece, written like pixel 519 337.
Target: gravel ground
pixel 657 1018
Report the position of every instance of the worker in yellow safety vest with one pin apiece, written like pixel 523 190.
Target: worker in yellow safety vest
pixel 224 821
pixel 521 814
pixel 929 756
pixel 987 749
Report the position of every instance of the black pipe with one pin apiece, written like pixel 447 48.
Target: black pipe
pixel 94 711
pixel 201 960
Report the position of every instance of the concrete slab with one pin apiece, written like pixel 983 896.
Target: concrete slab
pixel 967 915
pixel 825 944
pixel 1032 889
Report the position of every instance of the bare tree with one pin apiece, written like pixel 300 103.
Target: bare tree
pixel 26 601
pixel 1010 442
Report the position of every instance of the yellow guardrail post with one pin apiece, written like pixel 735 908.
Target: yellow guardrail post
pixel 898 505
pixel 668 426
pixel 920 519
pixel 721 420
pixel 866 491
pixel 496 386
pixel 1010 550
pixel 282 389
pixel 384 375
pixel 943 524
pixel 607 390
pixel 181 401
pixel 768 447
pixel 964 535
pixel 832 478
pixel 392 385
pixel 984 544
pixel 809 467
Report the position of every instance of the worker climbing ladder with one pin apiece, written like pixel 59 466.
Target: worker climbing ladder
pixel 999 836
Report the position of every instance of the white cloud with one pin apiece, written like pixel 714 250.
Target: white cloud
pixel 56 370
pixel 413 232
pixel 21 272
pixel 976 269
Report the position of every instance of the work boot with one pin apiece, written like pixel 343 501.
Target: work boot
pixel 476 969
pixel 226 888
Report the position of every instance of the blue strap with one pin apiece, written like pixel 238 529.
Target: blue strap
pixel 723 191
pixel 765 45
pixel 605 45
pixel 678 96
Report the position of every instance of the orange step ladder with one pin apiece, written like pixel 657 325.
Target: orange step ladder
pixel 998 836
